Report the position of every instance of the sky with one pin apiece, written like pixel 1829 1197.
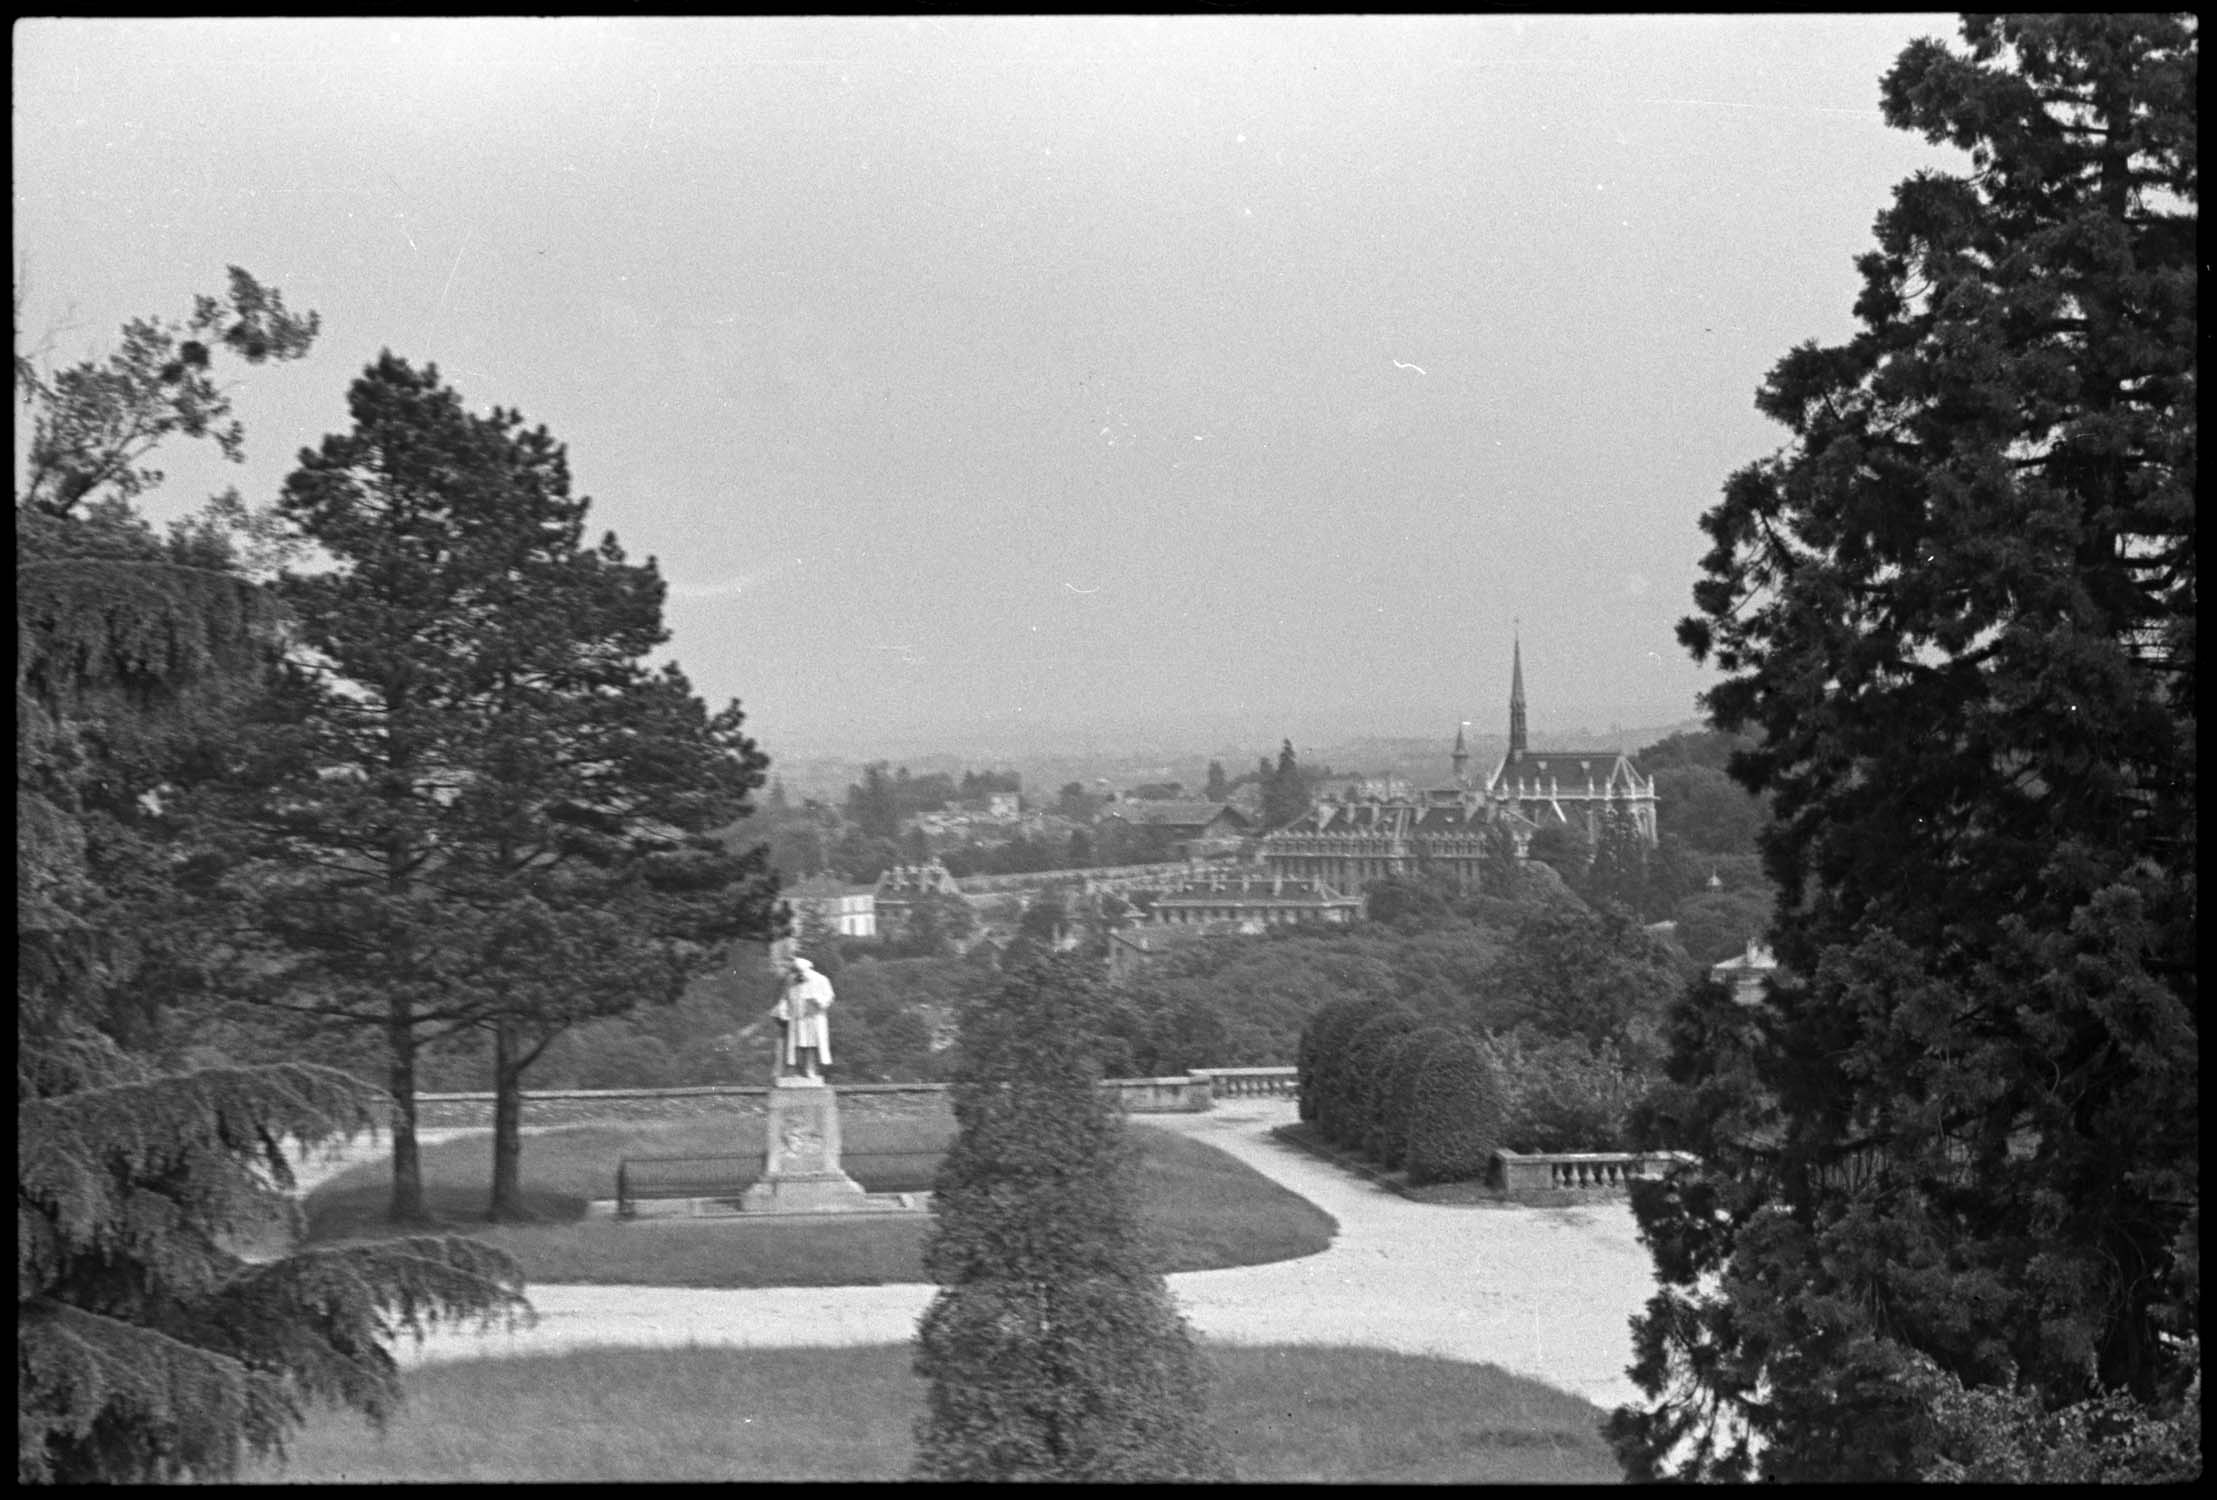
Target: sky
pixel 1003 383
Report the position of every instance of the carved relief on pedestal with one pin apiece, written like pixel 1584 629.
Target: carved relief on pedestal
pixel 801 1147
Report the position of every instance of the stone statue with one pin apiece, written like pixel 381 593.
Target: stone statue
pixel 805 1047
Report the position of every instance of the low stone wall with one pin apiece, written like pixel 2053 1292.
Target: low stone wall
pixel 1162 1096
pixel 1252 1083
pixel 864 1101
pixel 1581 1174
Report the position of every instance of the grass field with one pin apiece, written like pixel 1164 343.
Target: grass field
pixel 1202 1209
pixel 1286 1414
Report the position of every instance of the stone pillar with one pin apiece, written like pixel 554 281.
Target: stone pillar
pixel 800 1169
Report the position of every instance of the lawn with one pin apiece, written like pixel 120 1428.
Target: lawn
pixel 1202 1209
pixel 1287 1414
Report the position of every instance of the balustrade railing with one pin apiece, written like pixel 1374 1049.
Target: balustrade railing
pixel 1574 1171
pixel 1251 1083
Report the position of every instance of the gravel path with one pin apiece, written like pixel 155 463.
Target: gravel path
pixel 1546 1293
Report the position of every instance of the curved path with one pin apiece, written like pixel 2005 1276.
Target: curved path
pixel 1546 1293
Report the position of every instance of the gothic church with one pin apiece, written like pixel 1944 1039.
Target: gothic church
pixel 1347 843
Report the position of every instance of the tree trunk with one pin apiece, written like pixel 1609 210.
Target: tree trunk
pixel 507 1206
pixel 407 1202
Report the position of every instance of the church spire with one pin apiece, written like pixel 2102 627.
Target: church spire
pixel 1516 703
pixel 1462 755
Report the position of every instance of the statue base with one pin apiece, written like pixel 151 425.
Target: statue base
pixel 800 1168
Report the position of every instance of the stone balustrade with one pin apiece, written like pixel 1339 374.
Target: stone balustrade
pixel 1587 1172
pixel 1252 1083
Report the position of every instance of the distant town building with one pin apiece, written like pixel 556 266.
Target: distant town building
pixel 1746 972
pixel 1380 829
pixel 848 910
pixel 898 888
pixel 1185 829
pixel 1252 902
pixel 1345 845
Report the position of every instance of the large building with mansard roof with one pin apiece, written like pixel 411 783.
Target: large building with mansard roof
pixel 1349 842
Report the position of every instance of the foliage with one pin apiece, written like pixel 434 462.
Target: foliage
pixel 1717 925
pixel 1562 1094
pixel 1600 977
pixel 1053 1350
pixel 1403 1059
pixel 1957 617
pixel 1285 791
pixel 93 426
pixel 1617 876
pixel 1991 1436
pixel 1363 1077
pixel 1455 1113
pixel 470 802
pixel 146 1346
pixel 1328 1076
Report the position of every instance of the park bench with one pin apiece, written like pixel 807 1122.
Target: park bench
pixel 660 1178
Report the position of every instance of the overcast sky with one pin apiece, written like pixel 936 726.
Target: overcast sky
pixel 990 381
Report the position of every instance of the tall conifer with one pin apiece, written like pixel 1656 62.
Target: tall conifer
pixel 1958 613
pixel 1053 1349
pixel 147 1346
pixel 471 803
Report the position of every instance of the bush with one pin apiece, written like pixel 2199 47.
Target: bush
pixel 1364 1075
pixel 1309 1053
pixel 1322 1060
pixel 1558 1094
pixel 1053 1350
pixel 1455 1114
pixel 1404 1057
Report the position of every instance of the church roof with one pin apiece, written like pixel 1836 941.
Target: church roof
pixel 1568 772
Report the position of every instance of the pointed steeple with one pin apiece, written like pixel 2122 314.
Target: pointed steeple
pixel 1516 702
pixel 1462 754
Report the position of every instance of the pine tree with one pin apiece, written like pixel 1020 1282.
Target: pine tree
pixel 147 1346
pixel 1958 615
pixel 1285 791
pixel 1053 1349
pixel 471 804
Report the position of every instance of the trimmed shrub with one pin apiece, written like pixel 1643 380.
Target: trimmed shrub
pixel 1364 1077
pixel 1404 1056
pixel 1307 1053
pixel 1325 1042
pixel 1455 1114
pixel 1052 1350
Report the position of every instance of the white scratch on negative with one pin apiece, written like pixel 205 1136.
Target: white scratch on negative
pixel 450 270
pixel 1073 588
pixel 1400 366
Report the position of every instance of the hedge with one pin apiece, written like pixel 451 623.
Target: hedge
pixel 1455 1114
pixel 1404 1057
pixel 1363 1075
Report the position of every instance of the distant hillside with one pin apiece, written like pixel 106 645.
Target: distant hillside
pixel 1156 757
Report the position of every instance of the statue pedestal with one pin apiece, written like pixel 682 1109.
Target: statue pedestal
pixel 800 1170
